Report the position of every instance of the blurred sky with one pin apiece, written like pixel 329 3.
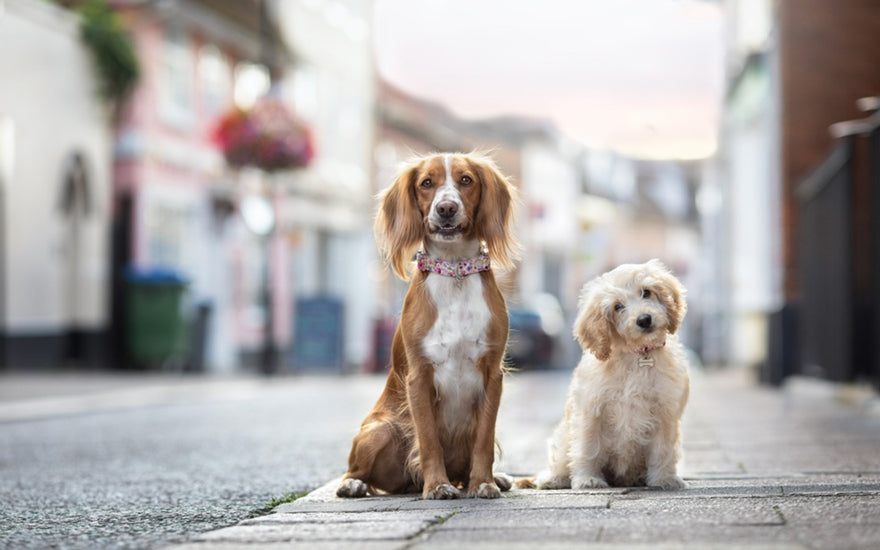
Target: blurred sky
pixel 642 77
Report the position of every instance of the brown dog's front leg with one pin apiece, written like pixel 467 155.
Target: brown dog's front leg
pixel 420 395
pixel 482 481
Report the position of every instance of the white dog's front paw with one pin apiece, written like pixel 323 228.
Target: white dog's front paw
pixel 666 482
pixel 352 488
pixel 546 480
pixel 444 491
pixel 579 483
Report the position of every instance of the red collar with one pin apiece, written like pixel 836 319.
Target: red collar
pixel 648 349
pixel 645 357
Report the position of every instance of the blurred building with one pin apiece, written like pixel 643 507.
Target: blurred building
pixel 741 199
pixel 792 201
pixel 329 209
pixel 175 199
pixel 54 191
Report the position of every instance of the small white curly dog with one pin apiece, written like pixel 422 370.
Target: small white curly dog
pixel 622 415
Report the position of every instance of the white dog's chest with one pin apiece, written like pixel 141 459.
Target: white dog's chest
pixel 456 342
pixel 634 402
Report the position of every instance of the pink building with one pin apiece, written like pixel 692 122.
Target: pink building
pixel 175 201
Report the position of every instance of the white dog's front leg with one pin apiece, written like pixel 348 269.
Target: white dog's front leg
pixel 557 475
pixel 585 453
pixel 662 458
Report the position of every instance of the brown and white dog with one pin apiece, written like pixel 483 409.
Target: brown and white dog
pixel 433 428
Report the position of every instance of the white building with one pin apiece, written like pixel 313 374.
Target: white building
pixel 741 200
pixel 54 190
pixel 551 187
pixel 331 207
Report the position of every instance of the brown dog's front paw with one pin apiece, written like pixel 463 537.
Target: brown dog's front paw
pixel 485 490
pixel 443 491
pixel 504 482
pixel 352 488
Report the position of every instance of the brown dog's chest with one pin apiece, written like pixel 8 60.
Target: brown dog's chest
pixel 455 343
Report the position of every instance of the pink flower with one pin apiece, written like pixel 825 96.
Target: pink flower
pixel 267 136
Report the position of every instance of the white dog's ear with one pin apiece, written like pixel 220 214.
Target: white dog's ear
pixel 591 328
pixel 671 294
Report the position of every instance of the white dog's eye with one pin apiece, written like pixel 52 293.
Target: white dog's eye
pixel 466 180
pixel 426 183
pixel 646 293
pixel 618 308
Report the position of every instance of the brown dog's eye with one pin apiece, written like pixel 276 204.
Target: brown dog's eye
pixel 646 293
pixel 466 180
pixel 618 308
pixel 426 183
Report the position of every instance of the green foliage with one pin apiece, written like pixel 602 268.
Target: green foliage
pixel 289 497
pixel 111 47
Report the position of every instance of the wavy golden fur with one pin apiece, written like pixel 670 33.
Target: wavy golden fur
pixel 621 424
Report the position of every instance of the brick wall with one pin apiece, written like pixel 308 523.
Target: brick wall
pixel 829 57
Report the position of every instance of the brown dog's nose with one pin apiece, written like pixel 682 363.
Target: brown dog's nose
pixel 644 321
pixel 446 209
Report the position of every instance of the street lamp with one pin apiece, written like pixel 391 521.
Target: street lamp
pixel 259 217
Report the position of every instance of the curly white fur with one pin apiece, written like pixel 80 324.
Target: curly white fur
pixel 622 415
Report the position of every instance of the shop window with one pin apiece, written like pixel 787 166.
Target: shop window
pixel 215 80
pixel 176 80
pixel 252 82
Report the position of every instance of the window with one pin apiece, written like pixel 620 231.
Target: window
pixel 175 82
pixel 305 92
pixel 169 227
pixel 75 195
pixel 215 80
pixel 251 82
pixel 7 150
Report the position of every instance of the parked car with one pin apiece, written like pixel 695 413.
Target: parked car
pixel 534 333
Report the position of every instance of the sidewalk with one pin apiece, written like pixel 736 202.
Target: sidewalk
pixel 797 468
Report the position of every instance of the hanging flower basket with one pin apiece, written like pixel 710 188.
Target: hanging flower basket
pixel 268 136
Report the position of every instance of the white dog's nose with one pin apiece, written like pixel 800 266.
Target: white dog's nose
pixel 644 321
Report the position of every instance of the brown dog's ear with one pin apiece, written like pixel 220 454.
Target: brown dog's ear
pixel 591 328
pixel 671 294
pixel 398 226
pixel 495 215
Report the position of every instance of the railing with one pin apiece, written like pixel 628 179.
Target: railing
pixel 839 256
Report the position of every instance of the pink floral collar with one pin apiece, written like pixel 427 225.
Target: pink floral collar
pixel 459 270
